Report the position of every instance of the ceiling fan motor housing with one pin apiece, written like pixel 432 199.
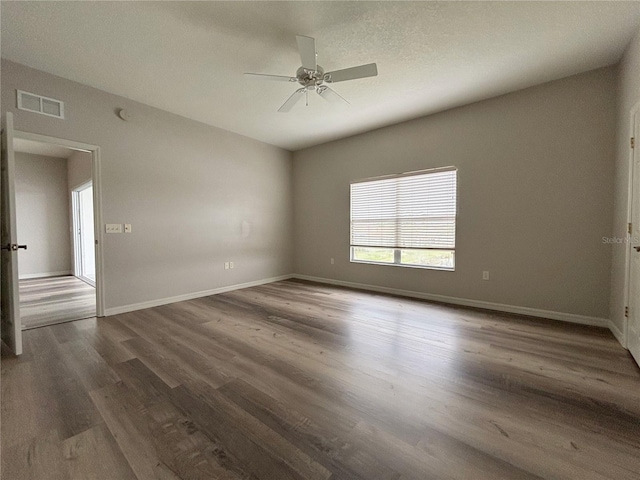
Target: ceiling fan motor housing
pixel 310 78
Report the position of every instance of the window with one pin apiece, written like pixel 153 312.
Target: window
pixel 407 220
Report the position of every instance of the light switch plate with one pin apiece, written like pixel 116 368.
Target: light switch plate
pixel 113 228
pixel 127 228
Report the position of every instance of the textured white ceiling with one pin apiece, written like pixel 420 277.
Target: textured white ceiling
pixel 189 57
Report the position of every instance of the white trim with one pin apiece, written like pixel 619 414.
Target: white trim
pixel 96 177
pixel 619 334
pixel 86 280
pixel 190 296
pixel 82 186
pixel 78 260
pixel 534 312
pixel 75 260
pixel 406 174
pixel 62 273
pixel 61 142
pixel 628 252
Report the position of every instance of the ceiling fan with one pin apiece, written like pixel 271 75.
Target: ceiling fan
pixel 313 77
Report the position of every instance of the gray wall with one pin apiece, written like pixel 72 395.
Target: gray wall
pixel 42 208
pixel 535 181
pixel 186 187
pixel 536 171
pixel 628 97
pixel 79 169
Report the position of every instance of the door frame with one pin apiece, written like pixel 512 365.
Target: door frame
pixel 76 242
pixel 96 178
pixel 633 131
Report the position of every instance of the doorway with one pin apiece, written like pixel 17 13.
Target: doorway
pixel 11 328
pixel 83 239
pixel 53 220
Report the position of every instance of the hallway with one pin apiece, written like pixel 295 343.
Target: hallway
pixel 45 301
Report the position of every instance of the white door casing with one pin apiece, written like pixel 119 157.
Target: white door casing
pixel 633 326
pixel 83 233
pixel 94 150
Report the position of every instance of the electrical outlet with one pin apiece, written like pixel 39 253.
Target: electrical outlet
pixel 230 264
pixel 485 275
pixel 226 265
pixel 332 262
pixel 113 228
pixel 127 228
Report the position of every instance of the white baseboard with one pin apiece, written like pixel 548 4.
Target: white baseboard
pixel 534 312
pixel 27 276
pixel 190 296
pixel 619 334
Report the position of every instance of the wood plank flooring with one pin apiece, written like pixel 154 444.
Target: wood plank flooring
pixel 294 380
pixel 45 301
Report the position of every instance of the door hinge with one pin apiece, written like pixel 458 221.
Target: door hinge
pixel 626 311
pixel 630 229
pixel 633 142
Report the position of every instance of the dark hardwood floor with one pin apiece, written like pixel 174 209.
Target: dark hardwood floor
pixel 294 380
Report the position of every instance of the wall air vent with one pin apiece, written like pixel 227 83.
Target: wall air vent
pixel 39 104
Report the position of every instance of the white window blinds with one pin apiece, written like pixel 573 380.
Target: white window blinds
pixel 407 211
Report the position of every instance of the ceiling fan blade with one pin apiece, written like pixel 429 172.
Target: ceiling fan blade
pixel 330 95
pixel 362 71
pixel 264 76
pixel 307 48
pixel 292 100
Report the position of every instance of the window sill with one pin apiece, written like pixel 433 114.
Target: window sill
pixel 422 267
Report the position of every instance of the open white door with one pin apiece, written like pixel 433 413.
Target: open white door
pixel 10 328
pixel 84 244
pixel 633 330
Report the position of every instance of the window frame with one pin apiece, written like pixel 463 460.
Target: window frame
pixel 397 251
